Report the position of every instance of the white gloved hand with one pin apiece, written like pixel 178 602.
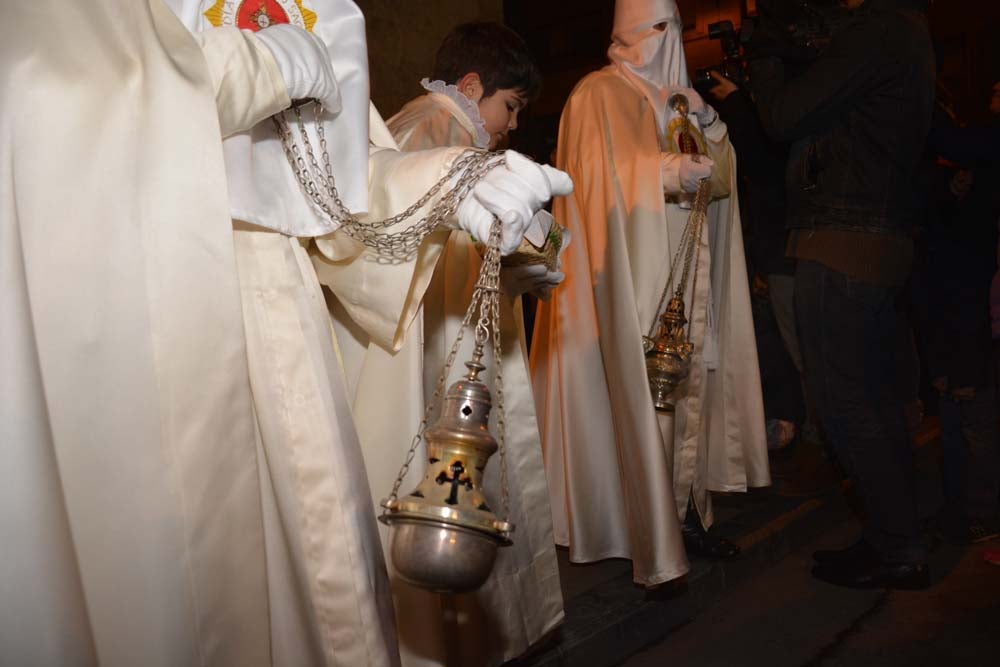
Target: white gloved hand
pixel 683 172
pixel 304 64
pixel 693 170
pixel 511 192
pixel 696 105
pixel 536 278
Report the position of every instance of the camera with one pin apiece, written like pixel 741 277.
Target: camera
pixel 733 65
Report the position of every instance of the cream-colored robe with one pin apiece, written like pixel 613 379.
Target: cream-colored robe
pixel 619 474
pixel 130 512
pixel 521 601
pixel 326 567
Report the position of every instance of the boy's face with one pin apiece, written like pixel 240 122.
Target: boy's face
pixel 499 111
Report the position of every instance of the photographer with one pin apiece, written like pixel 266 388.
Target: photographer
pixel 760 167
pixel 857 117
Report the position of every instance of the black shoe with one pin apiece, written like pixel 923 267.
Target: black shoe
pixel 872 572
pixel 699 542
pixel 860 549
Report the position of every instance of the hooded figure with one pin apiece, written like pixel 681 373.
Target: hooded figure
pixel 130 513
pixel 620 474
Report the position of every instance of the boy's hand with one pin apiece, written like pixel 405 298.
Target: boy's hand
pixel 534 278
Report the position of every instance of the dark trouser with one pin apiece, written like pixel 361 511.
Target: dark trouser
pixel 971 461
pixel 850 334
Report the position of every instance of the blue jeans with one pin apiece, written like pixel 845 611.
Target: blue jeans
pixel 851 337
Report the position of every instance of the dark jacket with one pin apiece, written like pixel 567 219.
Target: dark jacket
pixel 760 164
pixel 857 119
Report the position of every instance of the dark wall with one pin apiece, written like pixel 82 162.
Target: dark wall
pixel 570 37
pixel 965 32
pixel 404 35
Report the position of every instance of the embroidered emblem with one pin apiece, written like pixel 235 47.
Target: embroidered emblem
pixel 258 14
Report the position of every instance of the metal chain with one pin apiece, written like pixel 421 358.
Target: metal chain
pixel 484 309
pixel 690 239
pixel 491 279
pixel 700 206
pixel 317 182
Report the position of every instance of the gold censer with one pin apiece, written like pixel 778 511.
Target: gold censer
pixel 668 362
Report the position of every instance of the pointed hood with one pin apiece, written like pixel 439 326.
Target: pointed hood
pixel 651 58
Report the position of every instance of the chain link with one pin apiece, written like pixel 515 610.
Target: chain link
pixel 317 182
pixel 484 309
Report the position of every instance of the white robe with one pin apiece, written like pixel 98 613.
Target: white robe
pixel 619 474
pixel 326 568
pixel 130 513
pixel 521 601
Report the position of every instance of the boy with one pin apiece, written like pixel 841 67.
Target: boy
pixel 483 76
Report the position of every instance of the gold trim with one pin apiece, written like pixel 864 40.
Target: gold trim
pixel 214 13
pixel 308 17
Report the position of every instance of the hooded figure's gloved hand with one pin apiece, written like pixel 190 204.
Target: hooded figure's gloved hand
pixel 304 64
pixel 511 192
pixel 696 105
pixel 683 172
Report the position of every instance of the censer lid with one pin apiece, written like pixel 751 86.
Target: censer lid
pixel 465 415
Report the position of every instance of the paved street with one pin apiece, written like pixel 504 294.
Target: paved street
pixel 783 617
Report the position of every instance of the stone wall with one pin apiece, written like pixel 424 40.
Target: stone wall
pixel 403 36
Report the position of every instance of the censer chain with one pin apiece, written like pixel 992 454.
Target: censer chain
pixel 317 182
pixel 688 246
pixel 486 303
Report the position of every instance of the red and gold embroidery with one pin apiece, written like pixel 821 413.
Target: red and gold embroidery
pixel 259 14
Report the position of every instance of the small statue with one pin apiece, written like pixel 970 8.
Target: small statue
pixel 683 138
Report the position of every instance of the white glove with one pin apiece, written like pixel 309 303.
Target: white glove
pixel 511 192
pixel 516 280
pixel 682 173
pixel 696 105
pixel 304 64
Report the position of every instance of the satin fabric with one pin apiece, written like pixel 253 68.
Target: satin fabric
pixel 326 574
pixel 327 578
pixel 522 600
pixel 619 474
pixel 375 310
pixel 131 514
pixel 263 190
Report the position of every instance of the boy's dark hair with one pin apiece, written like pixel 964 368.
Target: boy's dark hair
pixel 494 52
